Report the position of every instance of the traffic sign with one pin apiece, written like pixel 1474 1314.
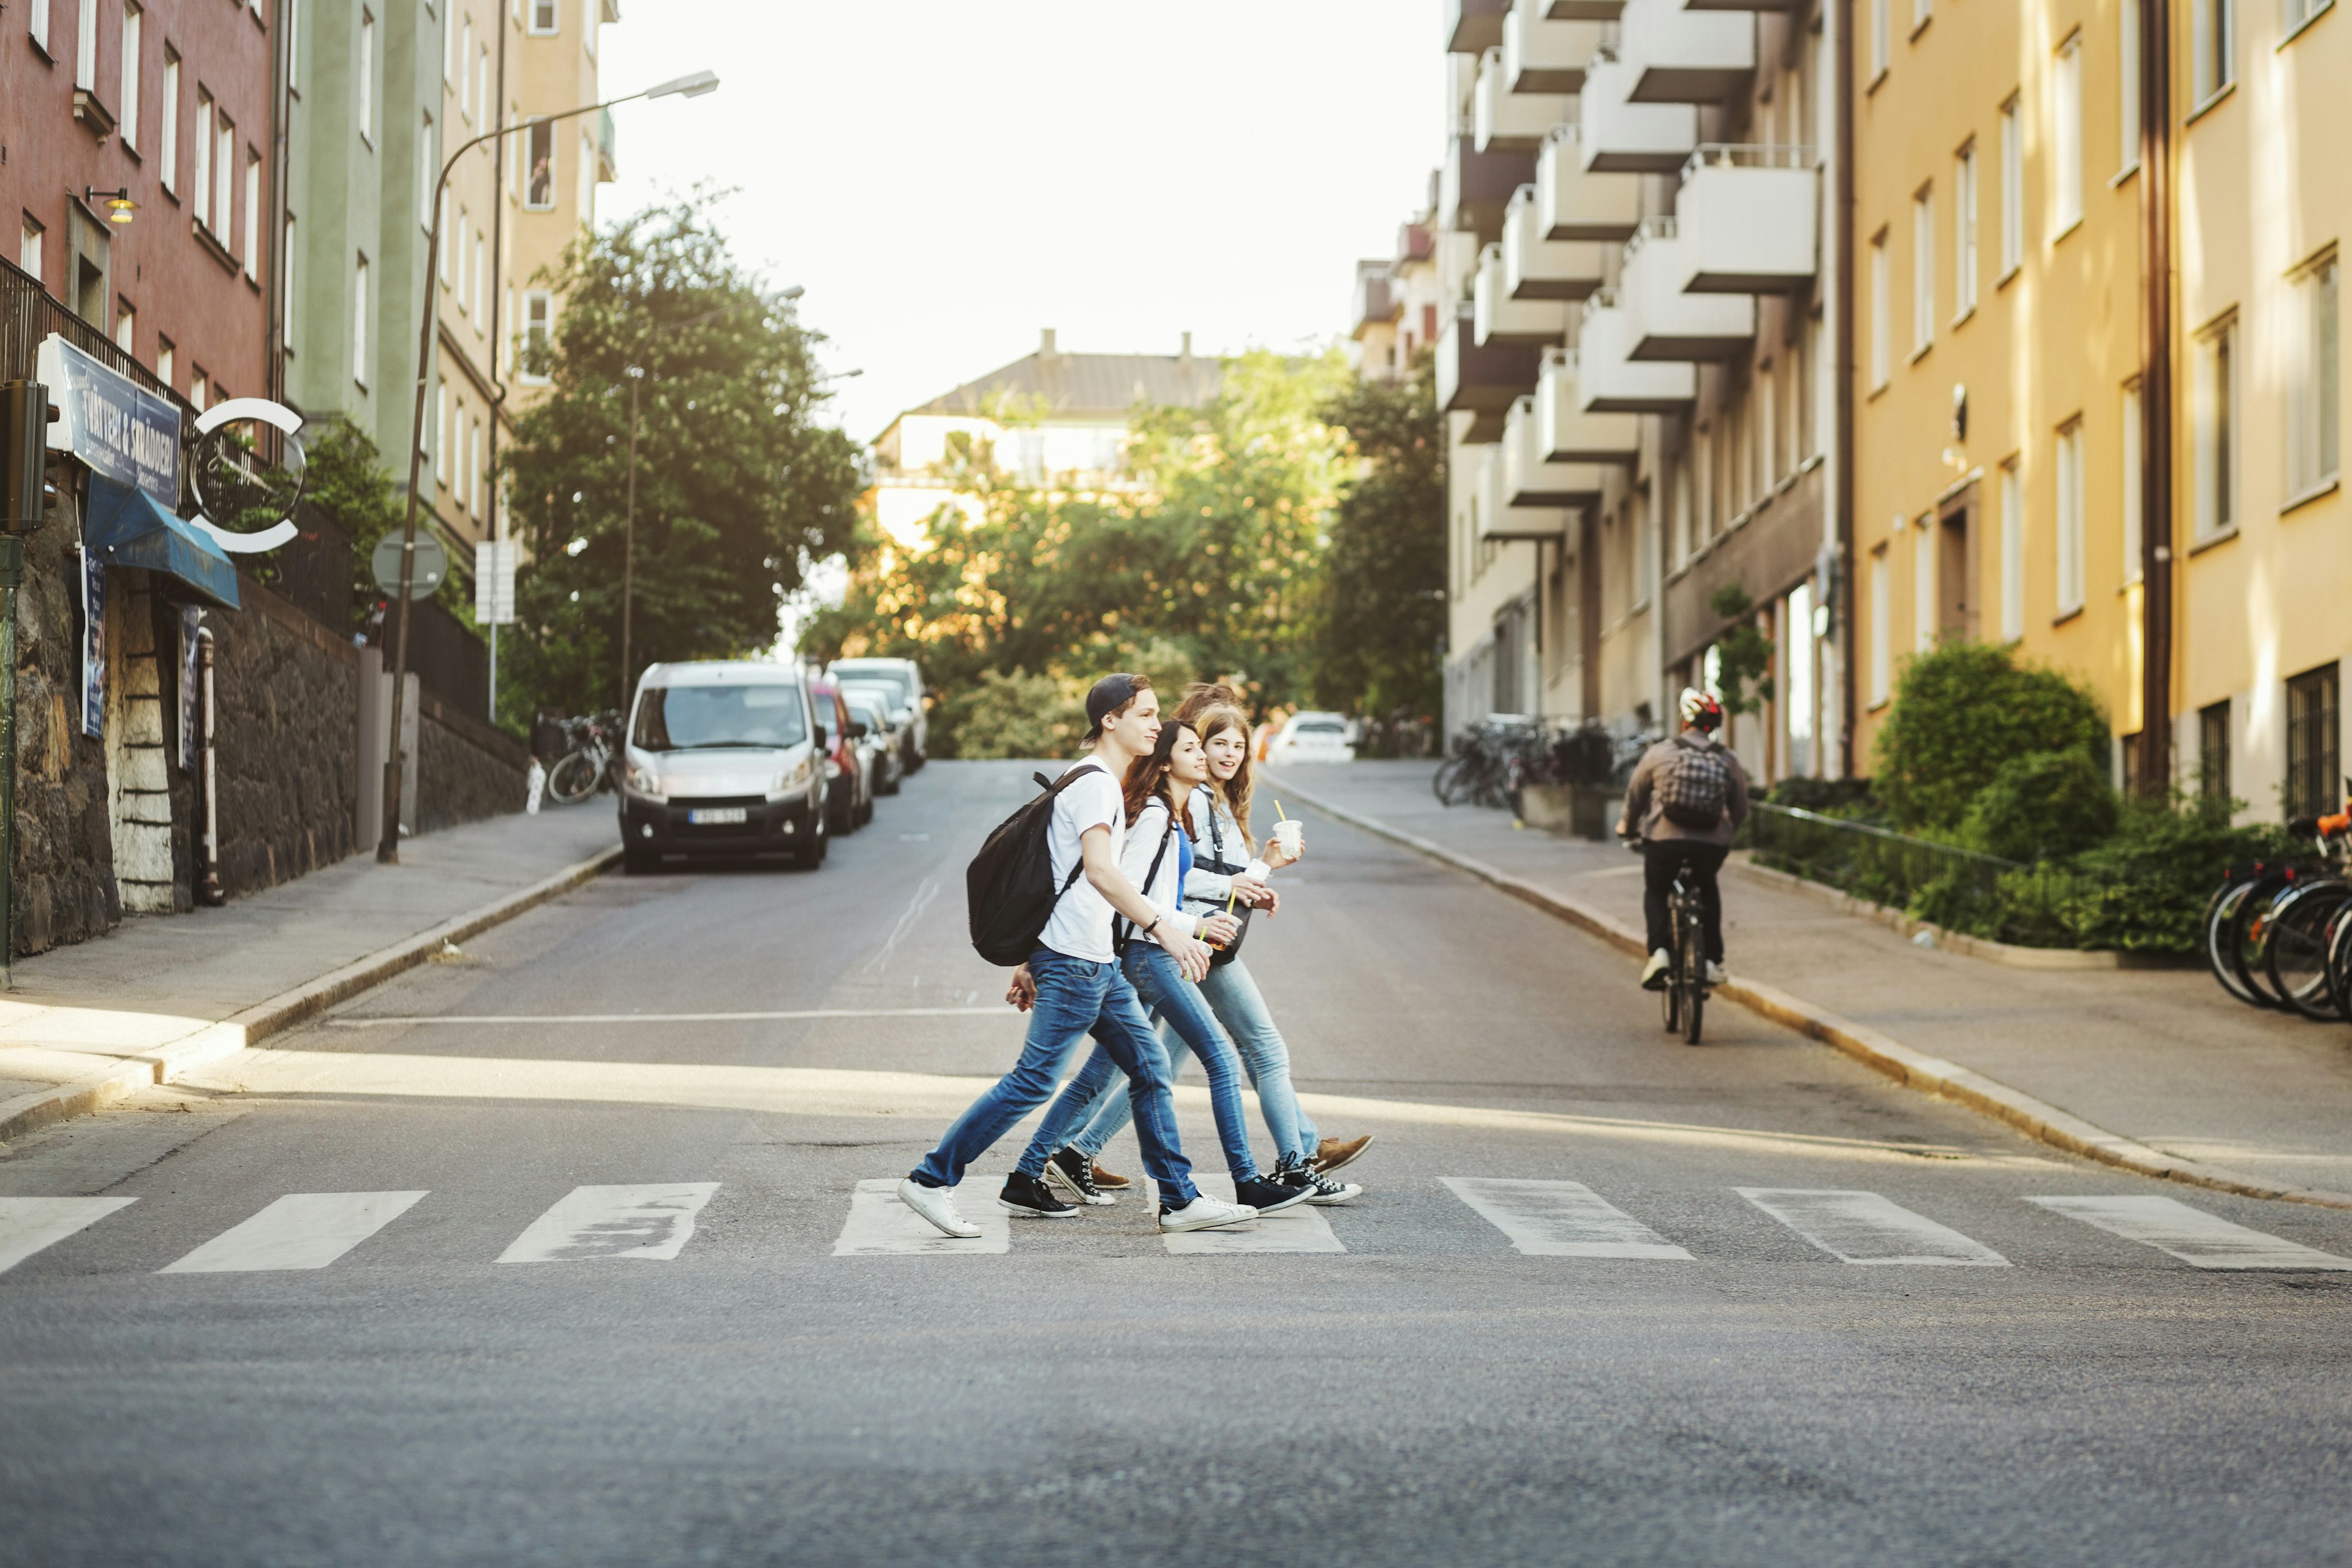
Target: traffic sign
pixel 432 565
pixel 494 572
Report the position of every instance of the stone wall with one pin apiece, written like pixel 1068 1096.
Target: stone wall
pixel 65 843
pixel 465 770
pixel 286 695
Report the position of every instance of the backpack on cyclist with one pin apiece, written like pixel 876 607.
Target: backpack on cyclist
pixel 1009 886
pixel 1694 786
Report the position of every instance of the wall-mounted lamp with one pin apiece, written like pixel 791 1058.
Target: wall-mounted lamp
pixel 119 207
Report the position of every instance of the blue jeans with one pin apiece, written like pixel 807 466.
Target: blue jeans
pixel 1185 1020
pixel 1075 995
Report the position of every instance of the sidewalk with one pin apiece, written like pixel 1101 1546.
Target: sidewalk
pixel 162 993
pixel 2253 1101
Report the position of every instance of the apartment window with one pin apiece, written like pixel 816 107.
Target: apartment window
pixel 2314 403
pixel 201 187
pixel 360 323
pixel 2298 12
pixel 2011 493
pixel 166 360
pixel 252 214
pixel 2066 136
pixel 2069 514
pixel 2127 87
pixel 36 23
pixel 2012 189
pixel 2212 48
pixel 1882 634
pixel 1922 270
pixel 126 327
pixel 477 284
pixel 30 246
pixel 588 25
pixel 540 192
pixel 464 83
pixel 1923 584
pixel 293 12
pixel 482 81
pixel 477 493
pixel 286 286
pixel 1882 285
pixel 2213 751
pixel 1921 12
pixel 587 182
pixel 127 126
pixel 2311 743
pixel 441 434
pixel 367 79
pixel 465 272
pixel 1882 24
pixel 167 139
pixel 85 45
pixel 200 389
pixel 2213 430
pixel 455 243
pixel 542 15
pixel 1964 233
pixel 2132 493
pixel 224 177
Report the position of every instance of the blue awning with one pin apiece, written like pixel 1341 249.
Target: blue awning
pixel 125 527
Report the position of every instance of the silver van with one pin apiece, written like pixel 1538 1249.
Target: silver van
pixel 720 760
pixel 906 715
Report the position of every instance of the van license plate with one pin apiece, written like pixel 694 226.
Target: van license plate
pixel 714 816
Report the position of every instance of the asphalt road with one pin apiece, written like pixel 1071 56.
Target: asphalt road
pixel 506 1369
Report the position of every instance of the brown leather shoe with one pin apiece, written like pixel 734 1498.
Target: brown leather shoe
pixel 1112 1183
pixel 1333 1152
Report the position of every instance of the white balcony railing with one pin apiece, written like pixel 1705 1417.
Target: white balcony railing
pixel 1543 56
pixel 1571 432
pixel 1683 55
pixel 1502 321
pixel 1507 122
pixel 1749 219
pixel 1531 477
pixel 1616 135
pixel 1609 380
pixel 1535 268
pixel 1669 324
pixel 1576 203
pixel 1499 519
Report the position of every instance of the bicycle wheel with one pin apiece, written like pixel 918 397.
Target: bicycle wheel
pixel 2296 955
pixel 2250 936
pixel 1449 780
pixel 1670 1000
pixel 1693 963
pixel 573 779
pixel 2220 915
pixel 2337 940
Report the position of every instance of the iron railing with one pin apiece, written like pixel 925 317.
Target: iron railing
pixel 1962 889
pixel 29 312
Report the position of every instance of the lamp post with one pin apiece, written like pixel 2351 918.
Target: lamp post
pixel 387 848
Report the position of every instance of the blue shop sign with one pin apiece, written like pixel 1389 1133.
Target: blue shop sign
pixel 112 423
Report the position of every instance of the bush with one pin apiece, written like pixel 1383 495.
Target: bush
pixel 2144 889
pixel 2043 806
pixel 1963 710
pixel 1016 715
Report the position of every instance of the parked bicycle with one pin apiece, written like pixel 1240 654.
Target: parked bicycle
pixel 588 766
pixel 2276 933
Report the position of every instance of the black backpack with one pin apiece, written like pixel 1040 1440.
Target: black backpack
pixel 1009 885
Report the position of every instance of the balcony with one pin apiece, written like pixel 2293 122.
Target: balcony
pixel 1609 380
pixel 1749 219
pixel 1378 299
pixel 1543 56
pixel 1680 56
pixel 1531 476
pixel 1473 188
pixel 1583 10
pixel 1573 202
pixel 1499 519
pixel 1507 121
pixel 1669 324
pixel 1501 319
pixel 1535 268
pixel 1616 135
pixel 1473 26
pixel 1484 382
pixel 1570 433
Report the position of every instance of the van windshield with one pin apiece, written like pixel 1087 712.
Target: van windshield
pixel 698 718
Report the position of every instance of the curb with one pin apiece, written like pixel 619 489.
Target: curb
pixel 242 1030
pixel 1914 1069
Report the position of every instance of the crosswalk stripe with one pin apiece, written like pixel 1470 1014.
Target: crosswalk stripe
pixel 1561 1219
pixel 300 1230
pixel 880 1225
pixel 1299 1230
pixel 1863 1228
pixel 652 1221
pixel 2194 1236
pixel 28 1224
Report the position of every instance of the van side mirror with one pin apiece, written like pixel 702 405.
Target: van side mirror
pixel 857 728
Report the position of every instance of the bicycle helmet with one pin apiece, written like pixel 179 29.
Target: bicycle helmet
pixel 1701 711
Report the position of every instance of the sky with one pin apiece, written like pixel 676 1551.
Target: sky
pixel 947 177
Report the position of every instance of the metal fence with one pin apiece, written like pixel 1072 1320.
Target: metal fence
pixel 29 314
pixel 1959 889
pixel 450 659
pixel 314 571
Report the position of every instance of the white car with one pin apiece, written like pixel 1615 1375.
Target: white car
pixel 1312 737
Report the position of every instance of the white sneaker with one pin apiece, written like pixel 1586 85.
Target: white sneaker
pixel 1205 1213
pixel 1654 973
pixel 936 1205
pixel 1714 975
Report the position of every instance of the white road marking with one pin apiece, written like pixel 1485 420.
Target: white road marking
pixel 1299 1230
pixel 652 1221
pixel 880 1224
pixel 2194 1236
pixel 1863 1228
pixel 412 1018
pixel 300 1230
pixel 1561 1219
pixel 28 1224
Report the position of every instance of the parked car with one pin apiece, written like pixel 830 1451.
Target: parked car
pixel 907 677
pixel 879 700
pixel 851 798
pixel 722 759
pixel 878 745
pixel 1312 737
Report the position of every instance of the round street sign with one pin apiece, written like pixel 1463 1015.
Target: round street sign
pixel 432 565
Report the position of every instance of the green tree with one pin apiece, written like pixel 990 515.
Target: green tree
pixel 1743 654
pixel 738 486
pixel 345 481
pixel 1963 710
pixel 1383 606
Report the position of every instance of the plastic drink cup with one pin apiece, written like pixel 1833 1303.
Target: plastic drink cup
pixel 1291 834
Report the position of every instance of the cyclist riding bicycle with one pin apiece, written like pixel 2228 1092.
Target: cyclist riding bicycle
pixel 1688 797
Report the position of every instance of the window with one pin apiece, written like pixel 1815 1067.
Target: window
pixel 2013 552
pixel 1922 270
pixel 539 193
pixel 85 45
pixel 2314 403
pixel 441 434
pixel 225 178
pixel 360 323
pixel 482 82
pixel 428 172
pixel 293 11
pixel 200 389
pixel 1882 637
pixel 588 25
pixel 367 79
pixel 2311 743
pixel 542 15
pixel 2298 12
pixel 2012 190
pixel 286 286
pixel 201 185
pixel 478 283
pixel 2213 434
pixel 2066 137
pixel 167 139
pixel 126 327
pixel 456 242
pixel 252 214
pixel 587 218
pixel 1882 284
pixel 127 126
pixel 1964 233
pixel 2212 48
pixel 2132 489
pixel 29 248
pixel 476 493
pixel 2213 751
pixel 1882 23
pixel 1922 12
pixel 36 23
pixel 465 276
pixel 2127 87
pixel 1923 584
pixel 166 359
pixel 464 62
pixel 2069 514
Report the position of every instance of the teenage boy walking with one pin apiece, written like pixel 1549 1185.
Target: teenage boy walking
pixel 1073 985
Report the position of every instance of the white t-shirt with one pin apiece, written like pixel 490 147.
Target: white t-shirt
pixel 1081 924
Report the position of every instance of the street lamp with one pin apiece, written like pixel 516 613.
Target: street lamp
pixel 387 848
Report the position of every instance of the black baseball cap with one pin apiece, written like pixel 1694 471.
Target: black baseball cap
pixel 1110 694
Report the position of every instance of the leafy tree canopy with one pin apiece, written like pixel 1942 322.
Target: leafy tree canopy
pixel 1383 607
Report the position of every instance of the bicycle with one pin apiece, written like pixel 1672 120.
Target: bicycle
pixel 588 766
pixel 1683 998
pixel 1490 760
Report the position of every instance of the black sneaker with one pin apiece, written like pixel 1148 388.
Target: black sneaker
pixel 1075 1174
pixel 1321 1189
pixel 1025 1194
pixel 1268 1197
